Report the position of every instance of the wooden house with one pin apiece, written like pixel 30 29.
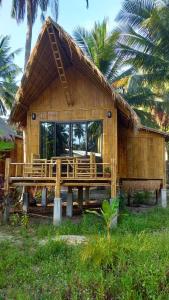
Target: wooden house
pixel 77 131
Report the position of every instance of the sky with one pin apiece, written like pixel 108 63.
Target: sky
pixel 72 13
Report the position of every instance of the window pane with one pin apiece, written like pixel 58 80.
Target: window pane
pixel 62 139
pixel 47 140
pixel 94 131
pixel 79 139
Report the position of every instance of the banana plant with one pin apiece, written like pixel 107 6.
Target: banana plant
pixel 108 211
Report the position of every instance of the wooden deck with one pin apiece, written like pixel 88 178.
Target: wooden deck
pixel 57 172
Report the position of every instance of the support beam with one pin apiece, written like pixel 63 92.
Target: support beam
pixel 69 207
pixel 44 197
pixel 57 210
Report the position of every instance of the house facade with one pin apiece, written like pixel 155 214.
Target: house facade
pixel 66 110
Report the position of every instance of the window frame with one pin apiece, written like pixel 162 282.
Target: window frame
pixel 70 123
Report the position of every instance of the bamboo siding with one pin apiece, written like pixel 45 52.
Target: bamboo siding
pixel 141 154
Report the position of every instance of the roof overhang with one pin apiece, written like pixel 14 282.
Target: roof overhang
pixel 41 71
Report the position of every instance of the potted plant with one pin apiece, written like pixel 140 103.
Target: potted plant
pixel 107 172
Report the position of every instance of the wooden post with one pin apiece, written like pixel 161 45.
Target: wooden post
pixel 113 179
pixel 69 206
pixel 80 197
pixel 57 211
pixel 7 175
pixel 6 204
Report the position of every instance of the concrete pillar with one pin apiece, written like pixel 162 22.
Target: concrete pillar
pixel 44 197
pixel 164 198
pixel 57 211
pixel 25 202
pixel 80 197
pixel 69 206
pixel 87 193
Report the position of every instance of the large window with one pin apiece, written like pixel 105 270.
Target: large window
pixel 70 139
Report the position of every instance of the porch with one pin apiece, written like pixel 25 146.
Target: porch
pixel 58 173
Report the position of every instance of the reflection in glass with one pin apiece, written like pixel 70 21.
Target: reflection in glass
pixel 47 139
pixel 71 139
pixel 94 134
pixel 62 139
pixel 79 139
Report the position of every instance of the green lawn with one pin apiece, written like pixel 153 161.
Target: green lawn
pixel 134 264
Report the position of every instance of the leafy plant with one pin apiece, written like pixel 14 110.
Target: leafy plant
pixel 108 211
pixel 25 220
pixel 15 219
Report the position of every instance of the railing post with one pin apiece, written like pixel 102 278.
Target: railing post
pixel 57 211
pixel 6 208
pixel 7 175
pixel 113 179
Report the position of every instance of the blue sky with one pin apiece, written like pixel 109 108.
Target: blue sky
pixel 71 14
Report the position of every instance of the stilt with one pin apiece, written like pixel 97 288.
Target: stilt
pixel 164 198
pixel 157 192
pixel 44 197
pixel 25 202
pixel 80 197
pixel 57 210
pixel 69 207
pixel 87 193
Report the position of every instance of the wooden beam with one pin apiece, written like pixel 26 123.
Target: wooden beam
pixel 59 63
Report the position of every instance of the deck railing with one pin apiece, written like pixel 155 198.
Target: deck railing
pixel 69 169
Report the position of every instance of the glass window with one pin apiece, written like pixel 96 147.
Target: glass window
pixel 94 135
pixel 47 139
pixel 70 139
pixel 62 139
pixel 79 139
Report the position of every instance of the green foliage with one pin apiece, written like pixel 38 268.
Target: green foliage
pixel 15 220
pixel 22 220
pixel 6 146
pixel 142 197
pixel 8 73
pixel 108 212
pixel 133 264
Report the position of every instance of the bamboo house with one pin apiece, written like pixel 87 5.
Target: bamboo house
pixel 77 131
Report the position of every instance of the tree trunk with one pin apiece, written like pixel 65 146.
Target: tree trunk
pixel 29 32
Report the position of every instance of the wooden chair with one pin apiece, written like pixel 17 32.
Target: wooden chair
pixel 37 168
pixel 85 167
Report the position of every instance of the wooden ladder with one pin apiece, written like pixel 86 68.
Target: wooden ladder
pixel 59 63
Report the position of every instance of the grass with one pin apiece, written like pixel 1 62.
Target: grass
pixel 133 265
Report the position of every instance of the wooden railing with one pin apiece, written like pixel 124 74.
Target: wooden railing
pixel 69 169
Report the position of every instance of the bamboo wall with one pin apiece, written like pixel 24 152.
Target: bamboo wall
pixel 90 103
pixel 141 154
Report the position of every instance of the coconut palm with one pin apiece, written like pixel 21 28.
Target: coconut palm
pixel 143 43
pixel 20 8
pixel 99 45
pixel 8 72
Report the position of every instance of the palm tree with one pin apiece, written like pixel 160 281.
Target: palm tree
pixel 20 8
pixel 99 45
pixel 143 44
pixel 8 72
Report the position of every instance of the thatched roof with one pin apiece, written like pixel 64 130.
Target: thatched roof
pixel 148 129
pixel 6 133
pixel 41 71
